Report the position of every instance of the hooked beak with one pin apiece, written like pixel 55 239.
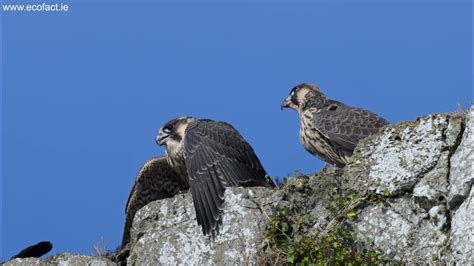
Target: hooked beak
pixel 161 138
pixel 287 103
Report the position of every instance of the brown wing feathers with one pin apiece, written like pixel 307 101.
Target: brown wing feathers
pixel 217 157
pixel 345 126
pixel 155 180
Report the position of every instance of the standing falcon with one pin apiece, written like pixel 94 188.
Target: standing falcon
pixel 155 180
pixel 213 155
pixel 329 129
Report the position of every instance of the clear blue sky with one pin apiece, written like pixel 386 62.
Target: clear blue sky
pixel 84 92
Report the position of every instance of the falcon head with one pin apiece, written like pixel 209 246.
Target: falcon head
pixel 303 96
pixel 172 133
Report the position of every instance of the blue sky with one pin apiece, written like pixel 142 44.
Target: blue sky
pixel 84 92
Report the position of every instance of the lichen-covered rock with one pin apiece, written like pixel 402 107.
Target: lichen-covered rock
pixel 462 165
pixel 462 232
pixel 63 259
pixel 395 160
pixel 433 187
pixel 406 193
pixel 166 232
pixel 403 230
pixel 23 262
pixel 308 193
pixel 409 164
pixel 413 165
pixel 393 230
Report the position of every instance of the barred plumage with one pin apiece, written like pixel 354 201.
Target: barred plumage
pixel 155 180
pixel 330 129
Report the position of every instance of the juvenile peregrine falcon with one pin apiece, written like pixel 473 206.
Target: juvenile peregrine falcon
pixel 155 180
pixel 330 129
pixel 214 156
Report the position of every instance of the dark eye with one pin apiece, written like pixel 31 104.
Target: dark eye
pixel 168 128
pixel 293 90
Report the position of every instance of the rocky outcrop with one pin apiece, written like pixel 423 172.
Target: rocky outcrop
pixel 165 232
pixel 411 199
pixel 461 171
pixel 63 259
pixel 396 160
pixel 460 194
pixel 461 242
pixel 423 170
pixel 412 164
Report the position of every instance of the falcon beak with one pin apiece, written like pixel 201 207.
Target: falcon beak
pixel 161 138
pixel 286 103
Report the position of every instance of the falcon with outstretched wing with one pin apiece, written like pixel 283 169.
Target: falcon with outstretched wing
pixel 155 180
pixel 330 129
pixel 214 156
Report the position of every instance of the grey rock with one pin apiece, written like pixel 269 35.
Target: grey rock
pixel 402 232
pixel 74 259
pixel 432 189
pixel 462 165
pixel 309 193
pixel 385 228
pixel 23 262
pixel 166 232
pixel 396 159
pixel 63 259
pixel 438 216
pixel 412 162
pixel 462 232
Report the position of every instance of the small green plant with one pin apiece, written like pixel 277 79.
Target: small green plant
pixel 387 192
pixel 288 235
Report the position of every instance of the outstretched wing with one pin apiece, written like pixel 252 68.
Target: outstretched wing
pixel 155 180
pixel 217 156
pixel 345 126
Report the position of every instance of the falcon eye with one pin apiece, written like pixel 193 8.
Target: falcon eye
pixel 168 128
pixel 293 91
